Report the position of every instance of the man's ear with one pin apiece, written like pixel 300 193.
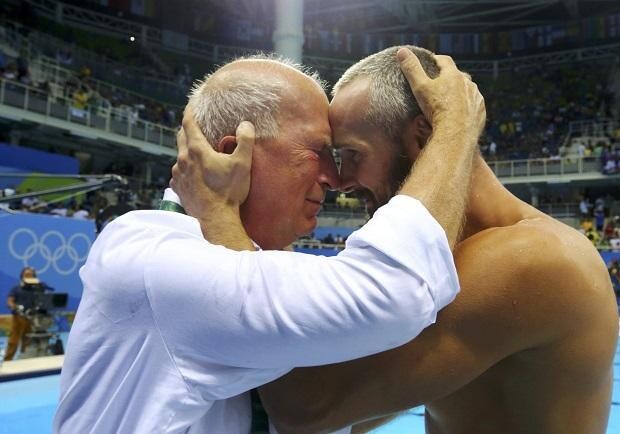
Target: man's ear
pixel 227 145
pixel 416 135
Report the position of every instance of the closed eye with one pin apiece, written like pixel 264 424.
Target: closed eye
pixel 350 155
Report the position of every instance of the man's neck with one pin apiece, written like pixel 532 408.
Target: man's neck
pixel 490 204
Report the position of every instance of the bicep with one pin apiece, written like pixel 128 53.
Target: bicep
pixel 471 335
pixel 431 366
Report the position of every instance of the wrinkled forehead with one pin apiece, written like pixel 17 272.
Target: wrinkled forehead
pixel 305 112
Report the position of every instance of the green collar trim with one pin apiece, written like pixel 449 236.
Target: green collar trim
pixel 168 205
pixel 260 421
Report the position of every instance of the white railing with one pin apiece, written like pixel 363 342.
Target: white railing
pixel 31 99
pixel 545 167
pixel 56 73
pixel 594 128
pixel 560 210
pixel 42 47
pixel 316 244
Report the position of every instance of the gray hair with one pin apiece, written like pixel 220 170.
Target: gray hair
pixel 391 103
pixel 219 105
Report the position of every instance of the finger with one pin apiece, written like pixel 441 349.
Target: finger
pixel 445 62
pixel 181 141
pixel 412 68
pixel 193 133
pixel 177 170
pixel 182 151
pixel 246 135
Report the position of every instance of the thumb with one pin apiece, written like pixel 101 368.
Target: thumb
pixel 246 136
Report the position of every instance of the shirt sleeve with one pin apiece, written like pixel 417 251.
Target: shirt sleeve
pixel 273 309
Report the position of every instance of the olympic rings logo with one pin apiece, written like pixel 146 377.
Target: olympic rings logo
pixel 55 250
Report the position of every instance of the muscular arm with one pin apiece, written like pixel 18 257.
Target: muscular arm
pixel 494 316
pixel 455 109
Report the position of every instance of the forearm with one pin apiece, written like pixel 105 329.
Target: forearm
pixel 10 302
pixel 441 176
pixel 223 227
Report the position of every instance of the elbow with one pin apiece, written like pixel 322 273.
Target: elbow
pixel 415 316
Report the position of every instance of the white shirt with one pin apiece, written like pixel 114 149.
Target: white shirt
pixel 170 325
pixel 80 214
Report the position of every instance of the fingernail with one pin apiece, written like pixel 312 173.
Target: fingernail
pixel 402 54
pixel 245 125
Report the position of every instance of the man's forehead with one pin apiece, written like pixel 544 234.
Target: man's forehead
pixel 312 128
pixel 358 90
pixel 349 106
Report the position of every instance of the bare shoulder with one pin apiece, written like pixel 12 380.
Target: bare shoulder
pixel 542 270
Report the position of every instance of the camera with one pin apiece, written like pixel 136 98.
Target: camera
pixel 42 304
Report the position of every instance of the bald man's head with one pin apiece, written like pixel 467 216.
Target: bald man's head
pixel 249 89
pixel 292 165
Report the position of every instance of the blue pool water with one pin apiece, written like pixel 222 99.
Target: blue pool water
pixel 27 407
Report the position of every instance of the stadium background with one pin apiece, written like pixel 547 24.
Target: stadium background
pixel 96 87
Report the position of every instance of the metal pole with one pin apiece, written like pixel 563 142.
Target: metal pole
pixel 288 37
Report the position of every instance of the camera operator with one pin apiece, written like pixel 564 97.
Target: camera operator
pixel 19 302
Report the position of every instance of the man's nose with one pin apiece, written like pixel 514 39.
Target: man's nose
pixel 348 181
pixel 328 175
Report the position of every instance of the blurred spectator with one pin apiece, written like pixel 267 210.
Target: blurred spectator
pixel 64 57
pixel 492 150
pixel 581 150
pixel 80 213
pixel 10 72
pixel 585 207
pixel 3 61
pixel 80 101
pixel 59 210
pixel 23 73
pixel 29 202
pixel 599 218
pixel 592 234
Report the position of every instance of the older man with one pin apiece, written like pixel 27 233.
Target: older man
pixel 527 346
pixel 172 329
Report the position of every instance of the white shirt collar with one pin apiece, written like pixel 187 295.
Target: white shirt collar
pixel 171 196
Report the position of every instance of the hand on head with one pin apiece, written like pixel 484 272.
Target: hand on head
pixel 450 98
pixel 206 179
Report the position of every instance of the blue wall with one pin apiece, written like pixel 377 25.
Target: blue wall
pixel 55 246
pixel 322 232
pixel 610 256
pixel 32 160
